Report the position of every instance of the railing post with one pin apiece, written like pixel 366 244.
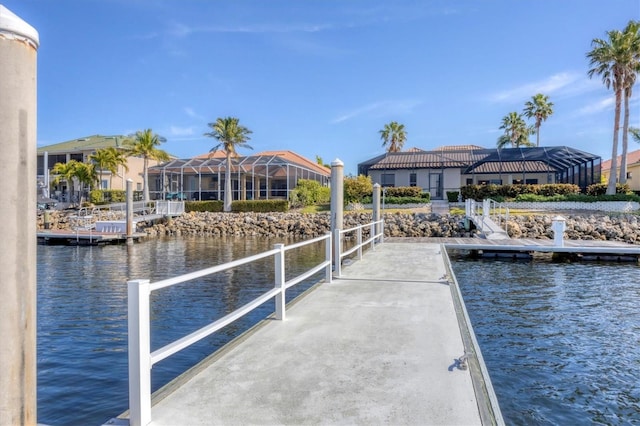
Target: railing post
pixel 359 242
pixel 486 207
pixel 327 252
pixel 376 206
pixel 280 279
pixel 139 353
pixel 337 261
pixel 372 235
pixel 381 231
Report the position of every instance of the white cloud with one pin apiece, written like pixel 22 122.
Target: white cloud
pixel 597 106
pixel 557 83
pixel 378 109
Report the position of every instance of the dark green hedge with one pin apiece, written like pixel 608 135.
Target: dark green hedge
pixel 238 206
pixel 403 191
pixel 479 192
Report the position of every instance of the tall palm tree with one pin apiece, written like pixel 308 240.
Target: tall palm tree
pixel 608 59
pixel 394 136
pixel 540 109
pixel 632 67
pixel 230 136
pixel 145 144
pixel 635 133
pixel 516 131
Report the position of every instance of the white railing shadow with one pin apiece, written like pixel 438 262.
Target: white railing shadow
pixel 141 359
pixel 376 236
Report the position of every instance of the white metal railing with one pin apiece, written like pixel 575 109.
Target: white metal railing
pixel 169 208
pixel 488 209
pixel 141 359
pixel 376 235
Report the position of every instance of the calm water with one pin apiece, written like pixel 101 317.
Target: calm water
pixel 561 341
pixel 82 314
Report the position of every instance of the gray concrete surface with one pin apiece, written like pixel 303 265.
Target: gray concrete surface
pixel 377 346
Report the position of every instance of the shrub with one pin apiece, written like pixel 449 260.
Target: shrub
pixel 309 192
pixel 204 206
pixel 260 206
pixel 356 188
pixel 106 196
pixel 601 189
pixel 403 191
pixel 452 196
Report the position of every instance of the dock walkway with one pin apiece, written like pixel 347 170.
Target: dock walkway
pixel 378 346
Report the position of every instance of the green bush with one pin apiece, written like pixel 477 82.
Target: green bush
pixel 601 189
pixel 583 198
pixel 309 192
pixel 405 200
pixel 106 196
pixel 260 206
pixel 496 192
pixel 403 191
pixel 452 196
pixel 356 188
pixel 204 206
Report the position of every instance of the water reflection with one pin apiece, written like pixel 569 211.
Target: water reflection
pixel 82 314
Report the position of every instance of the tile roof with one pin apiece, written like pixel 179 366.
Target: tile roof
pixel 458 148
pixel 632 158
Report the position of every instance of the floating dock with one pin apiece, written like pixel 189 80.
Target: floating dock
pixel 83 237
pixel 386 343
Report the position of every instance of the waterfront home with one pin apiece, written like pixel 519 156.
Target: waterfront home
pixel 263 176
pixel 80 150
pixel 448 168
pixel 633 169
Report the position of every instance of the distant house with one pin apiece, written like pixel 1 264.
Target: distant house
pixel 633 169
pixel 448 168
pixel 80 149
pixel 263 176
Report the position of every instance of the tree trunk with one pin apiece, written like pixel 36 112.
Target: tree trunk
pixel 227 185
pixel 625 137
pixel 613 173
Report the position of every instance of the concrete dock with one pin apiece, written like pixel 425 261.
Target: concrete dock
pixel 378 346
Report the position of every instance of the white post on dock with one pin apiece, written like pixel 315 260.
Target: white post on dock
pixel 337 202
pixel 18 70
pixel 558 225
pixel 129 211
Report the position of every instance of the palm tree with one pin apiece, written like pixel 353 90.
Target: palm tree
pixel 632 37
pixel 539 108
pixel 635 133
pixel 393 135
pixel 110 159
pixel 72 172
pixel 609 59
pixel 230 136
pixel 516 131
pixel 145 144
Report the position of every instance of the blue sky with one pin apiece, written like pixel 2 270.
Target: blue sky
pixel 322 77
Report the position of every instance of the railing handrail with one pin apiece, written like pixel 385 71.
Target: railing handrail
pixel 141 359
pixel 376 233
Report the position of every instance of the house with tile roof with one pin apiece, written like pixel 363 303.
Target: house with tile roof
pixel 80 149
pixel 262 176
pixel 449 168
pixel 633 169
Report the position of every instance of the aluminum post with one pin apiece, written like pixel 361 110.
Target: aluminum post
pixel 279 268
pixel 139 353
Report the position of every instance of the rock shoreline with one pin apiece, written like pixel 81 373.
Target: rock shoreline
pixel 603 227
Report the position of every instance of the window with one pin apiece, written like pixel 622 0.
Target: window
pixel 388 179
pixel 105 184
pixel 490 182
pixel 531 181
pixel 413 179
pixel 469 181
